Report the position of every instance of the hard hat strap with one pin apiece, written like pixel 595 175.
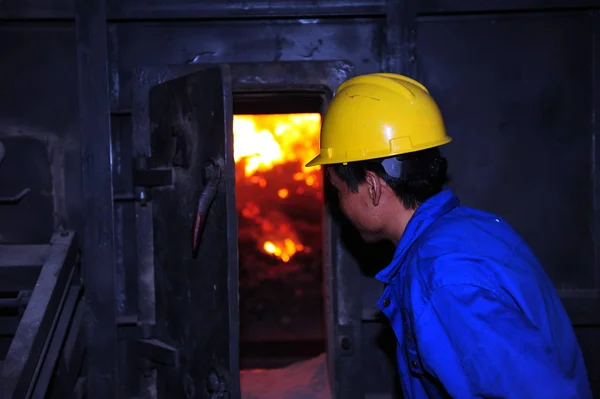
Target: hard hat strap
pixel 395 168
pixel 412 168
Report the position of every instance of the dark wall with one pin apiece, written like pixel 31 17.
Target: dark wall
pixel 38 127
pixel 138 44
pixel 515 81
pixel 519 92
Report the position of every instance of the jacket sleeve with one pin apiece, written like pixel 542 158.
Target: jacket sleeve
pixel 479 345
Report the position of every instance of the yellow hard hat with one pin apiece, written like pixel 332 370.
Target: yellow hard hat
pixel 377 116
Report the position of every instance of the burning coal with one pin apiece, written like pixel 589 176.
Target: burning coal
pixel 275 192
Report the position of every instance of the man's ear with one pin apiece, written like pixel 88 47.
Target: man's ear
pixel 374 186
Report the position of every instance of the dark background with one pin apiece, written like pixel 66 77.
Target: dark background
pixel 517 82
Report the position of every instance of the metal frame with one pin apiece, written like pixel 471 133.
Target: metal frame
pixel 262 9
pixel 35 349
pixel 99 262
pixel 343 306
pixel 117 11
pixel 451 7
pixel 401 37
pixel 592 308
pixel 97 191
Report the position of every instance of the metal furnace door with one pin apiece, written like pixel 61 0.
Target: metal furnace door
pixel 194 234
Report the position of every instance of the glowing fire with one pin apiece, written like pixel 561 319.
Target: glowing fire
pixel 264 141
pixel 266 146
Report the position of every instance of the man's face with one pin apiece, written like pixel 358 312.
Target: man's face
pixel 361 207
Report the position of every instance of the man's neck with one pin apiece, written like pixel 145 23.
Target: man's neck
pixel 399 223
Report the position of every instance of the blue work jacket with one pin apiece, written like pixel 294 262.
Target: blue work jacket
pixel 474 312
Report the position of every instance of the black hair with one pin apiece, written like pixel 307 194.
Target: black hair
pixel 420 175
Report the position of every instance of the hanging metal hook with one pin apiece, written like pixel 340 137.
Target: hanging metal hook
pixel 17 197
pixel 213 172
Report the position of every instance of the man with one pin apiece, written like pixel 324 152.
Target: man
pixel 474 312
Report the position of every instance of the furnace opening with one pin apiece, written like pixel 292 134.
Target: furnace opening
pixel 280 233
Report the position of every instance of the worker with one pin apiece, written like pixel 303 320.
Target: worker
pixel 473 310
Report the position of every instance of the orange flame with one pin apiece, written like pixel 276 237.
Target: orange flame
pixel 261 144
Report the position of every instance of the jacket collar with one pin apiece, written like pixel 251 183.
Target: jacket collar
pixel 426 214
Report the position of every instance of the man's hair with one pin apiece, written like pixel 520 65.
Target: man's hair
pixel 421 175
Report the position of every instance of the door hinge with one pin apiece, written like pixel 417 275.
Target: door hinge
pixel 144 180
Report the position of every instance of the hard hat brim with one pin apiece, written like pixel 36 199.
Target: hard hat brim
pixel 320 160
pixel 316 161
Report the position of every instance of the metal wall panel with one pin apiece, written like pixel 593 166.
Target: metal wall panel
pixel 132 45
pixel 36 9
pixel 475 6
pixel 519 93
pixel 516 93
pixel 210 9
pixel 125 254
pixel 38 116
pixel 39 77
pixel 98 246
pixel 31 219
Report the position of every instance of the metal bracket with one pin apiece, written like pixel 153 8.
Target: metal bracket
pixel 158 352
pixel 152 351
pixel 145 179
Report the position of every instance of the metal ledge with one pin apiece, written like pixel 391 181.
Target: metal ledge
pixel 36 337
